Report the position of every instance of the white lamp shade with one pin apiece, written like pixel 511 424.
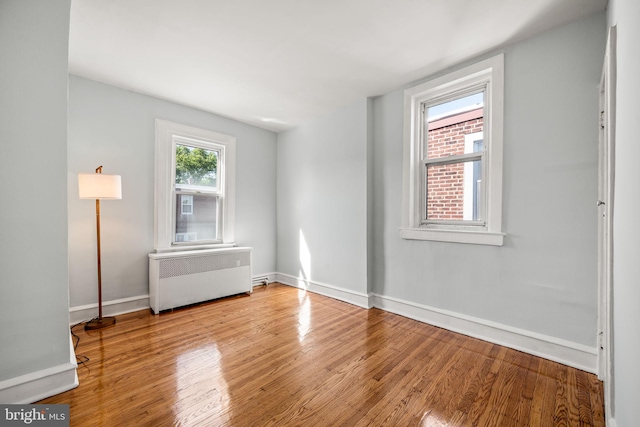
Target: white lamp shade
pixel 99 186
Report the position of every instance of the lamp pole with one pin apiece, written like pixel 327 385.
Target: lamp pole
pixel 100 322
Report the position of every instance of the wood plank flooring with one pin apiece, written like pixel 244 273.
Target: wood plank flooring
pixel 285 357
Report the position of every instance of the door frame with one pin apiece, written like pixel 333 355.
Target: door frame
pixel 606 175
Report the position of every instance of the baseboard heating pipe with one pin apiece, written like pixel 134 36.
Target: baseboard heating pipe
pixel 260 280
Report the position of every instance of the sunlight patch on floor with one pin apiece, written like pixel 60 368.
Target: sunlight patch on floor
pixel 202 391
pixel 431 420
pixel 304 318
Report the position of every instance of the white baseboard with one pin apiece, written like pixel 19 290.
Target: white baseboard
pixel 346 295
pixel 562 351
pixel 83 313
pixel 35 386
pixel 611 422
pixel 109 308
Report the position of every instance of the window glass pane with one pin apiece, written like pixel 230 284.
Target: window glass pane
pixel 201 223
pixel 196 167
pixel 449 122
pixel 454 191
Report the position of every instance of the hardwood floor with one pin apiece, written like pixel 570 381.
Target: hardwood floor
pixel 285 357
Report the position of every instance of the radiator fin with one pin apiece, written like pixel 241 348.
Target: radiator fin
pixel 200 264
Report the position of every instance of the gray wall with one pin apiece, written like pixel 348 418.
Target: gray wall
pixel 542 280
pixel 322 199
pixel 115 128
pixel 544 277
pixel 34 306
pixel 626 227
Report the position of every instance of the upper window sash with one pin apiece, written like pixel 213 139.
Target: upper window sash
pixel 207 145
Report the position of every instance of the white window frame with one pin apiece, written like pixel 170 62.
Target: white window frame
pixel 488 74
pixel 167 135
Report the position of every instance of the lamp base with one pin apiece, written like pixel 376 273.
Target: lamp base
pixel 100 323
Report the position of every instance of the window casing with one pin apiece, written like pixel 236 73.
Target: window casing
pixel 194 195
pixel 455 194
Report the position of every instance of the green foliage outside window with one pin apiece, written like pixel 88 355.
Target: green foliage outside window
pixel 196 166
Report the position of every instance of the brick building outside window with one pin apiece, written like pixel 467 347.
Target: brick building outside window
pixel 453 190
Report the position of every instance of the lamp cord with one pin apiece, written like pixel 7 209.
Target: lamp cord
pixel 80 359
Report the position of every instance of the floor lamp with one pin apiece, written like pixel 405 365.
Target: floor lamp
pixel 99 186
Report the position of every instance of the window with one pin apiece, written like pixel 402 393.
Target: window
pixel 186 205
pixel 195 185
pixel 453 157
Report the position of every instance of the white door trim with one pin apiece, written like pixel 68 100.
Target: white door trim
pixel 605 219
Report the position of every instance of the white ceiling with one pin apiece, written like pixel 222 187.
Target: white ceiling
pixel 278 63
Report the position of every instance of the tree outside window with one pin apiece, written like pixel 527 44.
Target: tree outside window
pixel 196 166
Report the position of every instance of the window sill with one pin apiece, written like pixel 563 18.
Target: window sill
pixel 453 236
pixel 181 248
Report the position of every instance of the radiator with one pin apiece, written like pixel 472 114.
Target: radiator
pixel 182 278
